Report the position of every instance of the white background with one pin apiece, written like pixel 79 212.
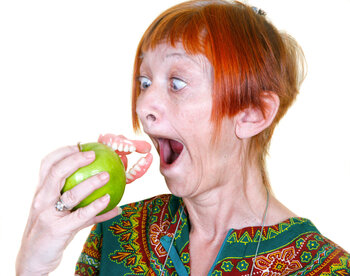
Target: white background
pixel 65 75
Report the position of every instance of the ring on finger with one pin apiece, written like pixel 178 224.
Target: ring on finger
pixel 61 206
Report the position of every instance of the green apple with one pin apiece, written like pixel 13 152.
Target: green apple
pixel 106 160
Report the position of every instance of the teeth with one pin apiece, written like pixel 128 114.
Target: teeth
pixel 120 147
pixel 124 146
pixel 133 172
pixel 137 168
pixel 128 176
pixel 142 161
pixel 114 146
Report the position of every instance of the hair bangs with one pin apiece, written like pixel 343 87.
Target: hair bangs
pixel 184 27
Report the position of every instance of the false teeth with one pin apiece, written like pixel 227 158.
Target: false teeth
pixel 126 148
pixel 123 147
pixel 137 168
pixel 142 161
pixel 120 147
pixel 133 172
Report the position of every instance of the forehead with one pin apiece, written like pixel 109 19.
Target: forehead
pixel 165 52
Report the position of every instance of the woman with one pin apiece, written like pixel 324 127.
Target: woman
pixel 211 81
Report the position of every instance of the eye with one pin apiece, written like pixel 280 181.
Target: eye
pixel 177 84
pixel 144 82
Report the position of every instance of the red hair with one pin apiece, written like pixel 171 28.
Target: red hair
pixel 248 55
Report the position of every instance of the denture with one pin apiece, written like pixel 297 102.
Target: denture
pixel 123 146
pixel 139 169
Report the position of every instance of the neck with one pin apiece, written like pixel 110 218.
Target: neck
pixel 235 204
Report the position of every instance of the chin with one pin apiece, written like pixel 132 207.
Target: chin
pixel 176 186
pixel 181 187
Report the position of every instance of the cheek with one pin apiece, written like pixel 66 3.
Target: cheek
pixel 194 126
pixel 138 105
pixel 196 130
pixel 194 115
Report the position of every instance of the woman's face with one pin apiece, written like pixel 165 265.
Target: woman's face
pixel 174 107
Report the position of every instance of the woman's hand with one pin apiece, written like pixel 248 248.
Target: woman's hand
pixel 48 231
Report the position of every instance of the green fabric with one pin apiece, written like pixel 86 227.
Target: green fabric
pixel 136 243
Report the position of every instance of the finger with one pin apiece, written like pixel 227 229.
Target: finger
pixel 106 216
pixel 75 195
pixel 123 146
pixel 86 215
pixel 53 158
pixel 139 169
pixel 60 171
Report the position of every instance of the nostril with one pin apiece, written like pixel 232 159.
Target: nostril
pixel 151 117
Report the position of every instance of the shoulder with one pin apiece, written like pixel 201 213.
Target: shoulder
pixel 321 255
pixel 300 249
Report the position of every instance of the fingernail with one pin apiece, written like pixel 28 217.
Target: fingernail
pixel 103 176
pixel 89 154
pixel 105 198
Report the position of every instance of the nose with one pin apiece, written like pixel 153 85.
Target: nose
pixel 150 107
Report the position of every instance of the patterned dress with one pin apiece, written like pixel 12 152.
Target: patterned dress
pixel 137 242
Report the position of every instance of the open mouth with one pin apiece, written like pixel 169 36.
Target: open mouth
pixel 169 150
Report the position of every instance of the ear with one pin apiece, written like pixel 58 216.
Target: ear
pixel 251 121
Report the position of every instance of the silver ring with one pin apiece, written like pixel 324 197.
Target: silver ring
pixel 61 206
